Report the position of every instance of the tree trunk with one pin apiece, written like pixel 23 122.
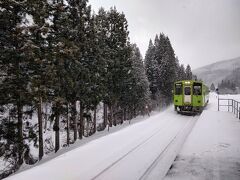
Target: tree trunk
pixel 111 116
pixel 105 118
pixel 40 129
pixel 45 117
pixel 20 132
pixel 124 114
pixel 94 119
pixel 68 135
pixel 131 115
pixel 87 128
pixel 74 118
pixel 134 113
pixel 57 137
pixel 129 120
pixel 81 127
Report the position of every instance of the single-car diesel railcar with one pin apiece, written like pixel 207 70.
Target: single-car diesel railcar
pixel 190 96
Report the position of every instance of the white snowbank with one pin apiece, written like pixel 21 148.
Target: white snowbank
pixel 89 160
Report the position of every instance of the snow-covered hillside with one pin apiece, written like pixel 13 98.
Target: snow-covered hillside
pixel 216 72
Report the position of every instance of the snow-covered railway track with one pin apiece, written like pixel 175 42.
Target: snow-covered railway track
pixel 159 167
pixel 166 125
pixel 144 150
pixel 164 144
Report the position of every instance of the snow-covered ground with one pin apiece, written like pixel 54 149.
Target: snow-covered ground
pixel 147 149
pixel 49 135
pixel 125 154
pixel 78 143
pixel 212 150
pixel 230 96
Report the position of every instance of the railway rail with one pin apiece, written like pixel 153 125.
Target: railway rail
pixel 165 141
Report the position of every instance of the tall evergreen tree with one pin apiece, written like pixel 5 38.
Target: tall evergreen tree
pixel 101 23
pixel 182 72
pixel 212 87
pixel 152 70
pixel 138 91
pixel 37 50
pixel 116 56
pixel 62 52
pixel 14 83
pixel 75 33
pixel 170 70
pixel 188 72
pixel 164 54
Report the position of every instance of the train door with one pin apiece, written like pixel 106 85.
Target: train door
pixel 187 95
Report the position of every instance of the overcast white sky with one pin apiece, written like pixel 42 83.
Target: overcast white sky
pixel 201 31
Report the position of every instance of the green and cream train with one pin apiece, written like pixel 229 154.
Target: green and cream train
pixel 190 96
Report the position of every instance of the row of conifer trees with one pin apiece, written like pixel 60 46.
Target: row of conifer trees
pixel 163 68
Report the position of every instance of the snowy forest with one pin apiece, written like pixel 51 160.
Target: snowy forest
pixel 231 84
pixel 62 64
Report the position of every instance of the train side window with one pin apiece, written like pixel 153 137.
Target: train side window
pixel 197 89
pixel 187 90
pixel 178 89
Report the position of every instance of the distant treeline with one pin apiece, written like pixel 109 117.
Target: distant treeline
pixel 231 84
pixel 59 61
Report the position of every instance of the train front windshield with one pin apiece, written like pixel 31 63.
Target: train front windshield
pixel 178 89
pixel 197 89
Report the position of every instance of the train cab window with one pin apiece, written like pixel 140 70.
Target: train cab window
pixel 197 89
pixel 178 89
pixel 187 90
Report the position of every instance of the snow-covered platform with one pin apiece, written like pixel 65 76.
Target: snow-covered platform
pixel 212 150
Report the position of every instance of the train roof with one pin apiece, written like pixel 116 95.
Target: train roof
pixel 190 81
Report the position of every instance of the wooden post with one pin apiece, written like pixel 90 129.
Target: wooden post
pixel 234 106
pixel 237 109
pixel 228 105
pixel 239 113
